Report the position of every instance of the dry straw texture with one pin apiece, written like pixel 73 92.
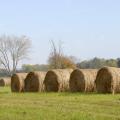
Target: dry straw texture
pixel 17 82
pixel 82 80
pixel 34 82
pixel 108 80
pixel 57 80
pixel 5 81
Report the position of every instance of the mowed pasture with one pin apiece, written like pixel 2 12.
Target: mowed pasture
pixel 58 106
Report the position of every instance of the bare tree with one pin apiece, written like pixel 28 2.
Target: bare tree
pixel 57 59
pixel 12 50
pixel 4 60
pixel 55 55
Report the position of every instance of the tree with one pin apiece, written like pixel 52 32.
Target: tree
pixel 12 50
pixel 67 62
pixel 118 62
pixel 111 63
pixel 97 63
pixel 57 60
pixel 55 55
pixel 63 62
pixel 74 59
pixel 36 67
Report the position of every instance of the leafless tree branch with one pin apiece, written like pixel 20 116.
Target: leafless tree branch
pixel 12 50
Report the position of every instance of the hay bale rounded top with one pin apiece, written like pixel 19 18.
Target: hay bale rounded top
pixel 82 80
pixel 108 80
pixel 34 81
pixel 17 82
pixel 5 81
pixel 57 80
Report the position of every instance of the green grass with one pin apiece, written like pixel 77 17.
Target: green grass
pixel 58 106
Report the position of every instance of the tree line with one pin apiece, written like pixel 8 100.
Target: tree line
pixel 94 63
pixel 97 63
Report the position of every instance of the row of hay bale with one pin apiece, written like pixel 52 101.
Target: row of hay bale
pixel 105 80
pixel 53 80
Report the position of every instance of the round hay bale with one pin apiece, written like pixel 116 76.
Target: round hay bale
pixel 82 80
pixel 2 83
pixel 108 80
pixel 5 81
pixel 17 82
pixel 34 82
pixel 57 80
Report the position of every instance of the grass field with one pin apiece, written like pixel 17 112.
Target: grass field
pixel 58 106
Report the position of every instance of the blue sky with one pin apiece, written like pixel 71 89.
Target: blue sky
pixel 88 28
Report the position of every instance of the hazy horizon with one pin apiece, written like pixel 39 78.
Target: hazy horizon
pixel 87 28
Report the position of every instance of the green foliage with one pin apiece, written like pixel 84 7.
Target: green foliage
pixel 37 67
pixel 62 62
pixel 3 73
pixel 118 62
pixel 97 63
pixel 111 63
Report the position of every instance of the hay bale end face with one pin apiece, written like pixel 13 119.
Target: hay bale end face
pixel 34 82
pixel 2 83
pixel 17 82
pixel 5 81
pixel 82 80
pixel 57 80
pixel 108 80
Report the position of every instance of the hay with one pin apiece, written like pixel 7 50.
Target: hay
pixel 17 82
pixel 82 80
pixel 108 80
pixel 34 82
pixel 5 81
pixel 57 80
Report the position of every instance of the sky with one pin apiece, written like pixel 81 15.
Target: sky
pixel 87 28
